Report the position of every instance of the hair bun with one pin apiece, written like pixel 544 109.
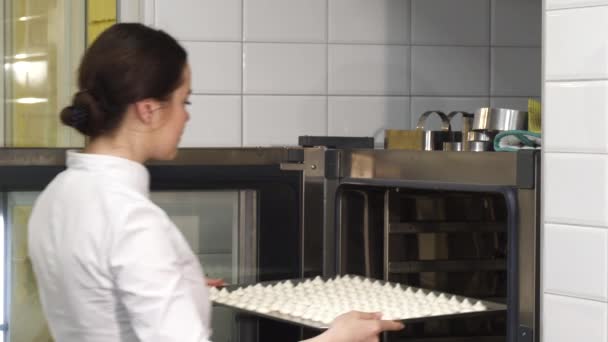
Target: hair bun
pixel 78 118
pixel 80 113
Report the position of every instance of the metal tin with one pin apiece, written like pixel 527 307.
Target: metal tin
pixel 499 119
pixel 479 146
pixel 452 146
pixel 478 136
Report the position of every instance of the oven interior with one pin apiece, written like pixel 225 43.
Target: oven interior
pixel 450 241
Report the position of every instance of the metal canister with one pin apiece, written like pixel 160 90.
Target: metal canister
pixel 451 146
pixel 499 119
pixel 478 146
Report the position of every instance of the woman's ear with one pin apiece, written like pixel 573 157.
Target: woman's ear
pixel 145 110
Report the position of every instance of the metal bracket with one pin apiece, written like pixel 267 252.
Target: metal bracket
pixel 295 160
pixel 332 164
pixel 292 167
pixel 295 156
pixel 526 168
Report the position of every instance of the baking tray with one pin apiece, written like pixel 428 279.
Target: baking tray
pixel 491 307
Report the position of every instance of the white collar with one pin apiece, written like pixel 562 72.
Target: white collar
pixel 127 172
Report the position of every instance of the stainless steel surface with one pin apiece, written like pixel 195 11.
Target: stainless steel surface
pixel 386 235
pixel 478 136
pixel 492 307
pixel 247 237
pixel 185 156
pixel 443 167
pixel 366 244
pixel 499 119
pixel 315 213
pixel 329 239
pixel 452 146
pixel 32 156
pixel 529 257
pixel 478 146
pixel 247 257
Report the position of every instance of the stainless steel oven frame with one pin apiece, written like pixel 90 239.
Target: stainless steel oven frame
pixel 515 176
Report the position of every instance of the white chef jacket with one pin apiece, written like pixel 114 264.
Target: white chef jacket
pixel 110 265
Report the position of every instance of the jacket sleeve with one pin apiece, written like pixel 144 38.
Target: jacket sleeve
pixel 150 282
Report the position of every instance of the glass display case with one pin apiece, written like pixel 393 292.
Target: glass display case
pixel 207 219
pixel 231 206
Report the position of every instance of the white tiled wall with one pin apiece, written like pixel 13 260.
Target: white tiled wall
pixel 567 319
pixel 266 71
pixel 575 179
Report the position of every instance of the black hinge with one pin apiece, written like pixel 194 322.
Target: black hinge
pixel 525 334
pixel 526 168
pixel 332 164
pixel 295 156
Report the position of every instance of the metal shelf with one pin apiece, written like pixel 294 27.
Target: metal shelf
pixel 403 267
pixel 457 339
pixel 445 227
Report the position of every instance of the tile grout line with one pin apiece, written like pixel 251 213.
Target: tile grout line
pixel 571 296
pixel 349 43
pixel 577 224
pixel 490 60
pixel 577 80
pixel 327 67
pixel 558 9
pixel 472 96
pixel 586 153
pixel 411 65
pixel 242 67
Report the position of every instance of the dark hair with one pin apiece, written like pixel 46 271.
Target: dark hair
pixel 125 64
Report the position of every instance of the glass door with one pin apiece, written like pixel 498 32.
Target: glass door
pixel 210 223
pixel 26 322
pixel 218 225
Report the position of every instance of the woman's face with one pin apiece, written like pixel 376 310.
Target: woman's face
pixel 176 115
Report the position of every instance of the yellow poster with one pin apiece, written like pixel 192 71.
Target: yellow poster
pixel 101 14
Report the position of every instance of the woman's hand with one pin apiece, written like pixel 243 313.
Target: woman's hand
pixel 212 282
pixel 357 327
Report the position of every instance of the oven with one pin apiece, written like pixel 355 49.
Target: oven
pixel 460 222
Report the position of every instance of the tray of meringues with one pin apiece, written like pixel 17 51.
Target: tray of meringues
pixel 315 303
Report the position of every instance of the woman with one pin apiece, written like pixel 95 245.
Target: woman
pixel 110 264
